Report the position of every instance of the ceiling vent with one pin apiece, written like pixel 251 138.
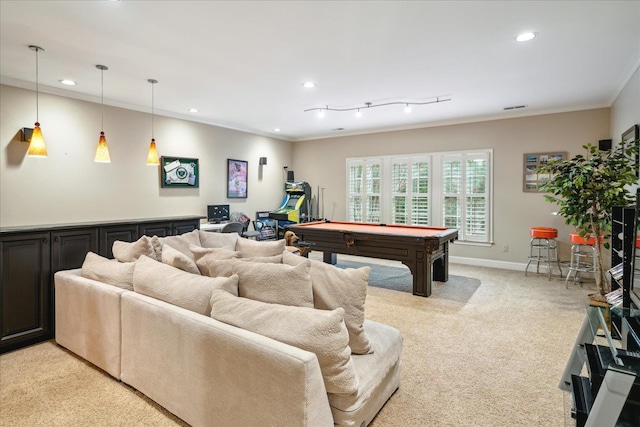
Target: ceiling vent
pixel 514 107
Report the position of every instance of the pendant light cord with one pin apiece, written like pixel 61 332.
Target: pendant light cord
pixel 102 98
pixel 37 92
pixel 152 111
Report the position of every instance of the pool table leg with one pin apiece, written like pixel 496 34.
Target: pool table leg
pixel 421 271
pixel 441 265
pixel 329 258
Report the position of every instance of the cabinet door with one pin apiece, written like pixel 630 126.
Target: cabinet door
pixel 181 227
pixel 70 247
pixel 25 290
pixel 160 229
pixel 108 235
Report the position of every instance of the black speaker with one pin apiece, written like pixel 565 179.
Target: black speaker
pixel 604 144
pixel 290 177
pixel 263 160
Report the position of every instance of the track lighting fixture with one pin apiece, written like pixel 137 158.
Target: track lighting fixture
pixel 322 110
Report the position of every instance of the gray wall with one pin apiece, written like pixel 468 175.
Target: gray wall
pixel 514 211
pixel 68 186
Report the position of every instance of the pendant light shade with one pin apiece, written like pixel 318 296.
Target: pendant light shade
pixel 152 156
pixel 102 152
pixel 36 146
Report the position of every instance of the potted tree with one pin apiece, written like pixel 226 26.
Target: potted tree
pixel 587 187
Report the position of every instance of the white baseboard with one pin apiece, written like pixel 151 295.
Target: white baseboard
pixel 505 265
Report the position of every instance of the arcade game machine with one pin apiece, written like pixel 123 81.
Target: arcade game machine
pixel 295 206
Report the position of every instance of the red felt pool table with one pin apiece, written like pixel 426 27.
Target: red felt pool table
pixel 423 249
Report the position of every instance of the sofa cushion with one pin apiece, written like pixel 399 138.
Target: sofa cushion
pixel 252 248
pixel 378 377
pixel 177 259
pixel 210 239
pixel 224 267
pixel 177 287
pixel 131 251
pixel 183 241
pixel 206 256
pixel 108 271
pixel 274 283
pixel 319 331
pixel 335 287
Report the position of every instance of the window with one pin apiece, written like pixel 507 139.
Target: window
pixel 441 189
pixel 465 195
pixel 410 191
pixel 364 190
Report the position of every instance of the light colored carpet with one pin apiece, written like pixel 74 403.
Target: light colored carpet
pixel 488 353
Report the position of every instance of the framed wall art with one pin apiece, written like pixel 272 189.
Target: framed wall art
pixel 179 172
pixel 632 134
pixel 531 181
pixel 236 179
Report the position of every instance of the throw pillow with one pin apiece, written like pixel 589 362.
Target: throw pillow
pixel 251 248
pixel 275 283
pixel 215 267
pixel 177 287
pixel 210 239
pixel 183 241
pixel 108 271
pixel 177 259
pixel 207 259
pixel 335 287
pixel 131 251
pixel 319 331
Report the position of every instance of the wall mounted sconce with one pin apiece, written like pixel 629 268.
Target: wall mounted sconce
pixel 25 134
pixel 263 161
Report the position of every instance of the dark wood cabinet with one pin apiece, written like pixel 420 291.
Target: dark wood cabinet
pixel 30 256
pixel 181 227
pixel 70 247
pixel 160 229
pixel 25 294
pixel 108 235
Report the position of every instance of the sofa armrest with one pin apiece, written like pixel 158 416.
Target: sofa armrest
pixel 210 373
pixel 87 316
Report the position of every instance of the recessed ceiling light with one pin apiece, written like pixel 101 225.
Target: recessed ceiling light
pixel 524 37
pixel 308 84
pixel 276 130
pixel 193 110
pixel 67 82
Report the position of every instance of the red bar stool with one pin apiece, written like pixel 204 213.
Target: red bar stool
pixel 583 257
pixel 544 249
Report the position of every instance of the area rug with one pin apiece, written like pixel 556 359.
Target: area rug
pixel 457 288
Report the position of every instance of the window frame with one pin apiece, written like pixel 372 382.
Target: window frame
pixel 435 192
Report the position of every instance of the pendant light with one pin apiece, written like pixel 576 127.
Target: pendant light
pixel 152 157
pixel 102 152
pixel 36 146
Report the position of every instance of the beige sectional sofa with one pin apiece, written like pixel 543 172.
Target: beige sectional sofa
pixel 232 372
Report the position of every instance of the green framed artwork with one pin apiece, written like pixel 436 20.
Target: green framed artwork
pixel 179 172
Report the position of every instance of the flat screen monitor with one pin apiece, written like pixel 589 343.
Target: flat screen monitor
pixel 217 213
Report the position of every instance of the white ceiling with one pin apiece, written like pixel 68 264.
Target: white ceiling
pixel 242 63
